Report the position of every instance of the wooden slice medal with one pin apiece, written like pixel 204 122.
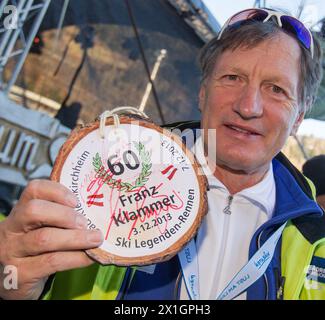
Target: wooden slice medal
pixel 138 184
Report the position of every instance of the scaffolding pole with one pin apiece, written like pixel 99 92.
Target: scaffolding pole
pixel 10 36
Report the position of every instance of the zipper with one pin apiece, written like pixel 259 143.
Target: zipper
pixel 280 292
pixel 227 210
pixel 279 279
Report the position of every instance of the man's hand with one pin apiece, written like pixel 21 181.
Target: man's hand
pixel 42 235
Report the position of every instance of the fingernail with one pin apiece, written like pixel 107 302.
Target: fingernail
pixel 71 200
pixel 81 222
pixel 95 237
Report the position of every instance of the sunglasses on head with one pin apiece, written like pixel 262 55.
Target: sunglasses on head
pixel 289 23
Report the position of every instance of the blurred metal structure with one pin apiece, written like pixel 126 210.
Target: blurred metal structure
pixel 197 16
pixel 260 4
pixel 29 140
pixel 301 8
pixel 15 41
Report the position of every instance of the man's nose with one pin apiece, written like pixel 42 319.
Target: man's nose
pixel 249 103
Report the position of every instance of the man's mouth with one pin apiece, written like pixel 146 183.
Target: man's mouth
pixel 243 129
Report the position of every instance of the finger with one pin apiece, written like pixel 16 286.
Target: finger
pixel 39 213
pixel 50 191
pixel 45 240
pixel 42 266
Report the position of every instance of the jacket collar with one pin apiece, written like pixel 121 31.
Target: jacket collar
pixel 292 203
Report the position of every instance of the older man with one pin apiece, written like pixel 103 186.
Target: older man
pixel 259 77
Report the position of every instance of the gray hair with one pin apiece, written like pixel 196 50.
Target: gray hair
pixel 252 33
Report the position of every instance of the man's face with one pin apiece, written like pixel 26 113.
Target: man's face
pixel 251 99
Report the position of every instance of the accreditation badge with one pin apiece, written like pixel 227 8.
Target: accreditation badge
pixel 138 184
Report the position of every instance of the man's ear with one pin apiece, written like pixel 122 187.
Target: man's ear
pixel 201 97
pixel 297 123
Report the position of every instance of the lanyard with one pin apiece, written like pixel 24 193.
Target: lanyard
pixel 189 264
pixel 250 273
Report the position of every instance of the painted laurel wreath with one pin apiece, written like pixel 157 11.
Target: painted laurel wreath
pixel 125 186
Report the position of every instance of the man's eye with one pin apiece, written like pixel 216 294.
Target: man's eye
pixel 231 77
pixel 277 89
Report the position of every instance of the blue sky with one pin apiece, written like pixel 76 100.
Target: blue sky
pixel 313 12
